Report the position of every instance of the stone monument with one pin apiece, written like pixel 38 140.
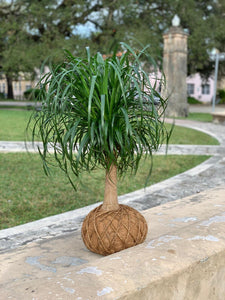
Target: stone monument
pixel 175 69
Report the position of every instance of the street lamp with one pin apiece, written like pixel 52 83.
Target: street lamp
pixel 215 55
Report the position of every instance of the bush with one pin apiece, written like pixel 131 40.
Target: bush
pixel 192 100
pixel 32 94
pixel 2 96
pixel 221 96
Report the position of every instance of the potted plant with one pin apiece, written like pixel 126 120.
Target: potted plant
pixel 101 112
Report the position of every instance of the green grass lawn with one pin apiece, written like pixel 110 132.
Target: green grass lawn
pixel 26 194
pixel 203 117
pixel 13 124
pixel 188 136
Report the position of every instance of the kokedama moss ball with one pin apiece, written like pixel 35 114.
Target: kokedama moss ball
pixel 107 232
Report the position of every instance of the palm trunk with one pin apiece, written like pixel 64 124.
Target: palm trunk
pixel 110 197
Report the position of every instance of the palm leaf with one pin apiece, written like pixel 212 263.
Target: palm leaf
pixel 98 112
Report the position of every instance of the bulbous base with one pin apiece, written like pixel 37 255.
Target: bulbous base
pixel 107 232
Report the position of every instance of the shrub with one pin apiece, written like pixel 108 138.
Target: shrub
pixel 221 96
pixel 2 96
pixel 32 94
pixel 192 100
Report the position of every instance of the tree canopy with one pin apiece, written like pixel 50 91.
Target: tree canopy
pixel 30 31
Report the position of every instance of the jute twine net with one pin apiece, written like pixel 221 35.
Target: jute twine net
pixel 107 232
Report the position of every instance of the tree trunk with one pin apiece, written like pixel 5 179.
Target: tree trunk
pixel 10 87
pixel 110 197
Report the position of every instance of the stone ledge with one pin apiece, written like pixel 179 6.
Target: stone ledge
pixel 218 117
pixel 183 257
pixel 71 221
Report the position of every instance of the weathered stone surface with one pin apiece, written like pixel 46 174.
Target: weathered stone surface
pixel 183 258
pixel 175 70
pixel 209 174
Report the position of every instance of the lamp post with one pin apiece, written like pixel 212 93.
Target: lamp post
pixel 217 57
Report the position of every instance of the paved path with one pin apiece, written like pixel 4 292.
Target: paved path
pixel 209 174
pixel 192 108
pixel 36 252
pixel 33 255
pixel 19 104
pixel 206 108
pixel 217 131
pixel 13 147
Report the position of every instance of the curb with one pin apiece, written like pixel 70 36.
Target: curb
pixel 71 221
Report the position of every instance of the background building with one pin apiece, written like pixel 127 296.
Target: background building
pixel 19 86
pixel 200 89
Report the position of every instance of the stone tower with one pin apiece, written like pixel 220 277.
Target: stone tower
pixel 175 70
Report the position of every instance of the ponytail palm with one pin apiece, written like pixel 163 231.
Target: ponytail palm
pixel 100 111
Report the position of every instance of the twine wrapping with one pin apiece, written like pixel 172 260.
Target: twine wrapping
pixel 107 232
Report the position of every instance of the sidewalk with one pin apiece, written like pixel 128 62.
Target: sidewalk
pixel 192 108
pixel 19 104
pixel 182 258
pixel 34 254
pixel 209 174
pixel 206 108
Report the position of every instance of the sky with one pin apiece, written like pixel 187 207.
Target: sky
pixel 84 30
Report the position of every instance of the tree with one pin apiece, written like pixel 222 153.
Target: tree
pixel 147 20
pixel 7 32
pixel 18 52
pixel 217 22
pixel 45 27
pixel 201 18
pixel 30 31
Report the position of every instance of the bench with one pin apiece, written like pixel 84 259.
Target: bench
pixel 219 117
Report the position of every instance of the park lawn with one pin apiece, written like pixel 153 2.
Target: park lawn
pixel 13 127
pixel 13 124
pixel 188 136
pixel 202 117
pixel 26 194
